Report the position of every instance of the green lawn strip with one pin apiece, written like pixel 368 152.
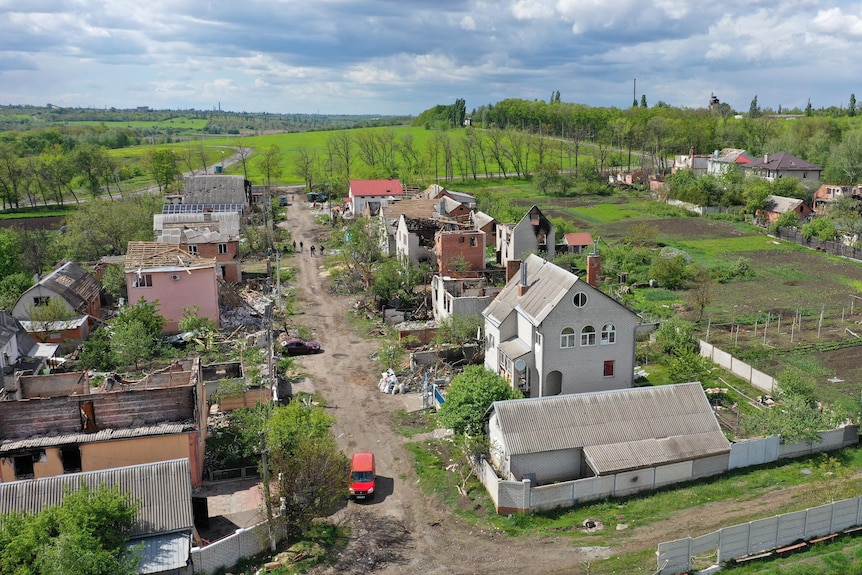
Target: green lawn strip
pixel 840 556
pixel 37 212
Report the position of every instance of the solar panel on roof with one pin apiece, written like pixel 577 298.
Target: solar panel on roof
pixel 201 208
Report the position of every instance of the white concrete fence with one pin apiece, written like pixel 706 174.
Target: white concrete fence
pixel 523 497
pixel 737 367
pixel 763 535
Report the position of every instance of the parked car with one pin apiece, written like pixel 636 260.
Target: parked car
pixel 363 476
pixel 296 346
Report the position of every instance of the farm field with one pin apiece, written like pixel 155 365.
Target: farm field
pixel 799 308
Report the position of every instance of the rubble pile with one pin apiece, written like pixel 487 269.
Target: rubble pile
pixel 375 541
pixel 243 307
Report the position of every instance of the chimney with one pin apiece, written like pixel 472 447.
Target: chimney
pixel 522 283
pixel 594 269
pixel 512 267
pixel 765 158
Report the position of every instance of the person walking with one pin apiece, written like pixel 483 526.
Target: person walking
pixel 300 246
pixel 312 251
pixel 294 245
pixel 321 251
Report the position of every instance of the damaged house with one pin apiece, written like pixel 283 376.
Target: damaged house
pixel 173 277
pixel 211 235
pixel 58 424
pixel 534 234
pixel 68 283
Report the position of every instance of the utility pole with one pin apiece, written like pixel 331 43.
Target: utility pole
pixel 266 492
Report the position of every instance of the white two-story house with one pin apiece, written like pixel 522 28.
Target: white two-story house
pixel 549 332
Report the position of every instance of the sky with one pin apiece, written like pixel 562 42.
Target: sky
pixel 403 56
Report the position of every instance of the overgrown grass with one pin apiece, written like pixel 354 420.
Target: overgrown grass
pixel 410 424
pixel 37 212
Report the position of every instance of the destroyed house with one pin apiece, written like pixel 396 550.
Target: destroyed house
pixel 57 424
pixel 69 284
pixel 533 234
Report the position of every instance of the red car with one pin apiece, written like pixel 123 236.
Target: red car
pixel 298 346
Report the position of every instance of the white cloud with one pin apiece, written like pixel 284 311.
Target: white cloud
pixel 467 23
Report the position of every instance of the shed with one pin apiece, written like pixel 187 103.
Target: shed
pixel 569 437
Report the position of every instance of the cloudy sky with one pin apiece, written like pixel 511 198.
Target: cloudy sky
pixel 403 56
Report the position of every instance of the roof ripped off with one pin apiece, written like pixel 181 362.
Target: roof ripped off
pixel 74 284
pixel 196 228
pixel 163 490
pixel 618 430
pixel 150 255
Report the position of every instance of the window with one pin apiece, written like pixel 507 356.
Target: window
pixel 193 250
pixel 609 368
pixel 538 339
pixel 40 300
pixel 71 456
pixel 580 299
pixel 144 280
pixel 222 248
pixel 609 334
pixel 567 338
pixel 588 335
pixel 473 241
pixel 24 466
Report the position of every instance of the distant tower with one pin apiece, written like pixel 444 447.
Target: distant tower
pixel 713 101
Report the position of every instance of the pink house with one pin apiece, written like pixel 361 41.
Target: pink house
pixel 177 279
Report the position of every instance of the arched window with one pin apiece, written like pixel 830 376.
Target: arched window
pixel 588 335
pixel 579 299
pixel 567 337
pixel 609 334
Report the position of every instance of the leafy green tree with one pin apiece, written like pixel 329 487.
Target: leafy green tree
pixel 193 321
pixel 92 162
pixel 360 251
pixel 98 228
pixel 10 251
pixel 851 106
pixel 11 288
pixel 114 279
pixel 237 442
pixel 459 329
pixel 670 272
pixel 39 250
pixel 676 337
pixel 96 351
pixel 131 343
pixel 85 535
pixel 821 228
pixel 754 109
pixel 798 416
pixel 270 164
pixel 396 279
pixel 309 472
pixel 845 161
pixel 643 101
pixel 470 395
pixel 163 165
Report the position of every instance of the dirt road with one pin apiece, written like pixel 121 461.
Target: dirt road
pixel 346 375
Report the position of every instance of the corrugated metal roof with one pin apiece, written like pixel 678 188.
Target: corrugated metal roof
pixel 781 204
pixel 74 284
pixel 10 445
pixel 163 552
pixel 618 457
pixel 605 419
pixel 163 489
pixel 547 282
pixel 514 348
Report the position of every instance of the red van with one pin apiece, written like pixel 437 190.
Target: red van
pixel 363 476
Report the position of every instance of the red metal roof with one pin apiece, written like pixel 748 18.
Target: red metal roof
pixel 578 239
pixel 376 188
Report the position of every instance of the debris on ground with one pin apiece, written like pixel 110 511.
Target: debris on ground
pixel 375 541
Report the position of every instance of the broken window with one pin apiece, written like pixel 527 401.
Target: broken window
pixel 473 243
pixel 24 466
pixel 143 280
pixel 71 457
pixel 40 300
